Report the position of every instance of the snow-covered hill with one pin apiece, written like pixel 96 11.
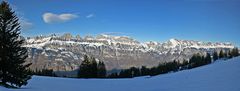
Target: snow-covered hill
pixel 219 76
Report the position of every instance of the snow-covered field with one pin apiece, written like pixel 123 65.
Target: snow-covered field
pixel 219 76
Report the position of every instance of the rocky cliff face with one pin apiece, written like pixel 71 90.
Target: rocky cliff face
pixel 65 53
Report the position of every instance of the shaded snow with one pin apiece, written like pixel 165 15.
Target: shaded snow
pixel 219 76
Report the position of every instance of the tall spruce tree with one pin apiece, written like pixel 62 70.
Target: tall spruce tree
pixel 85 68
pixel 144 71
pixel 90 68
pixel 229 54
pixel 101 70
pixel 221 54
pixel 93 68
pixel 208 59
pixel 215 56
pixel 13 69
pixel 235 52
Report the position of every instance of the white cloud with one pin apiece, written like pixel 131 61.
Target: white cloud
pixel 90 16
pixel 58 18
pixel 26 25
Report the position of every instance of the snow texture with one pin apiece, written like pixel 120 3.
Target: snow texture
pixel 219 76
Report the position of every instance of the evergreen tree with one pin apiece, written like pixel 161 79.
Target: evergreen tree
pixel 196 60
pixel 144 71
pixel 135 72
pixel 208 59
pixel 13 69
pixel 184 65
pixel 230 54
pixel 44 72
pixel 101 70
pixel 90 68
pixel 221 54
pixel 93 68
pixel 113 75
pixel 84 71
pixel 215 56
pixel 235 52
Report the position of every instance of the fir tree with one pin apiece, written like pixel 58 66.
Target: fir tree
pixel 93 68
pixel 230 54
pixel 208 59
pixel 144 71
pixel 235 52
pixel 90 68
pixel 221 54
pixel 84 71
pixel 215 56
pixel 13 69
pixel 101 70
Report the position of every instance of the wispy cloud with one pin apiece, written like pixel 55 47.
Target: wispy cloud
pixel 58 18
pixel 90 16
pixel 26 25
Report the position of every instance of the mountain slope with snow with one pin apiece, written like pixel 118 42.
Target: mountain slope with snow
pixel 65 53
pixel 219 76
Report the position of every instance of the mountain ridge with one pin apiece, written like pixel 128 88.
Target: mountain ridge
pixel 65 53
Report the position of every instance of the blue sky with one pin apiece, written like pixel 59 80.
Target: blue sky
pixel 157 20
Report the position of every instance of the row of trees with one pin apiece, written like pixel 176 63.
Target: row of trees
pixel 198 60
pixel 195 61
pixel 144 71
pixel 226 54
pixel 44 72
pixel 90 68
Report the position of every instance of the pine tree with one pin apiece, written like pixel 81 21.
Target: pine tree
pixel 93 68
pixel 13 69
pixel 235 52
pixel 101 70
pixel 208 59
pixel 84 71
pixel 221 54
pixel 230 54
pixel 90 68
pixel 144 71
pixel 215 56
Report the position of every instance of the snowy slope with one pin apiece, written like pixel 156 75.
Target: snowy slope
pixel 219 76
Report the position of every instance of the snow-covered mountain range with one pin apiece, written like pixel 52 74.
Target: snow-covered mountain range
pixel 65 53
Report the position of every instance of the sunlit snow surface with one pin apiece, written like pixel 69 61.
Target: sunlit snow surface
pixel 219 76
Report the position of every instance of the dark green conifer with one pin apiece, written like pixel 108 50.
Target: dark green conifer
pixel 13 69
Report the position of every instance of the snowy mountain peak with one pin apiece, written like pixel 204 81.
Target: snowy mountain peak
pixel 54 51
pixel 104 39
pixel 174 42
